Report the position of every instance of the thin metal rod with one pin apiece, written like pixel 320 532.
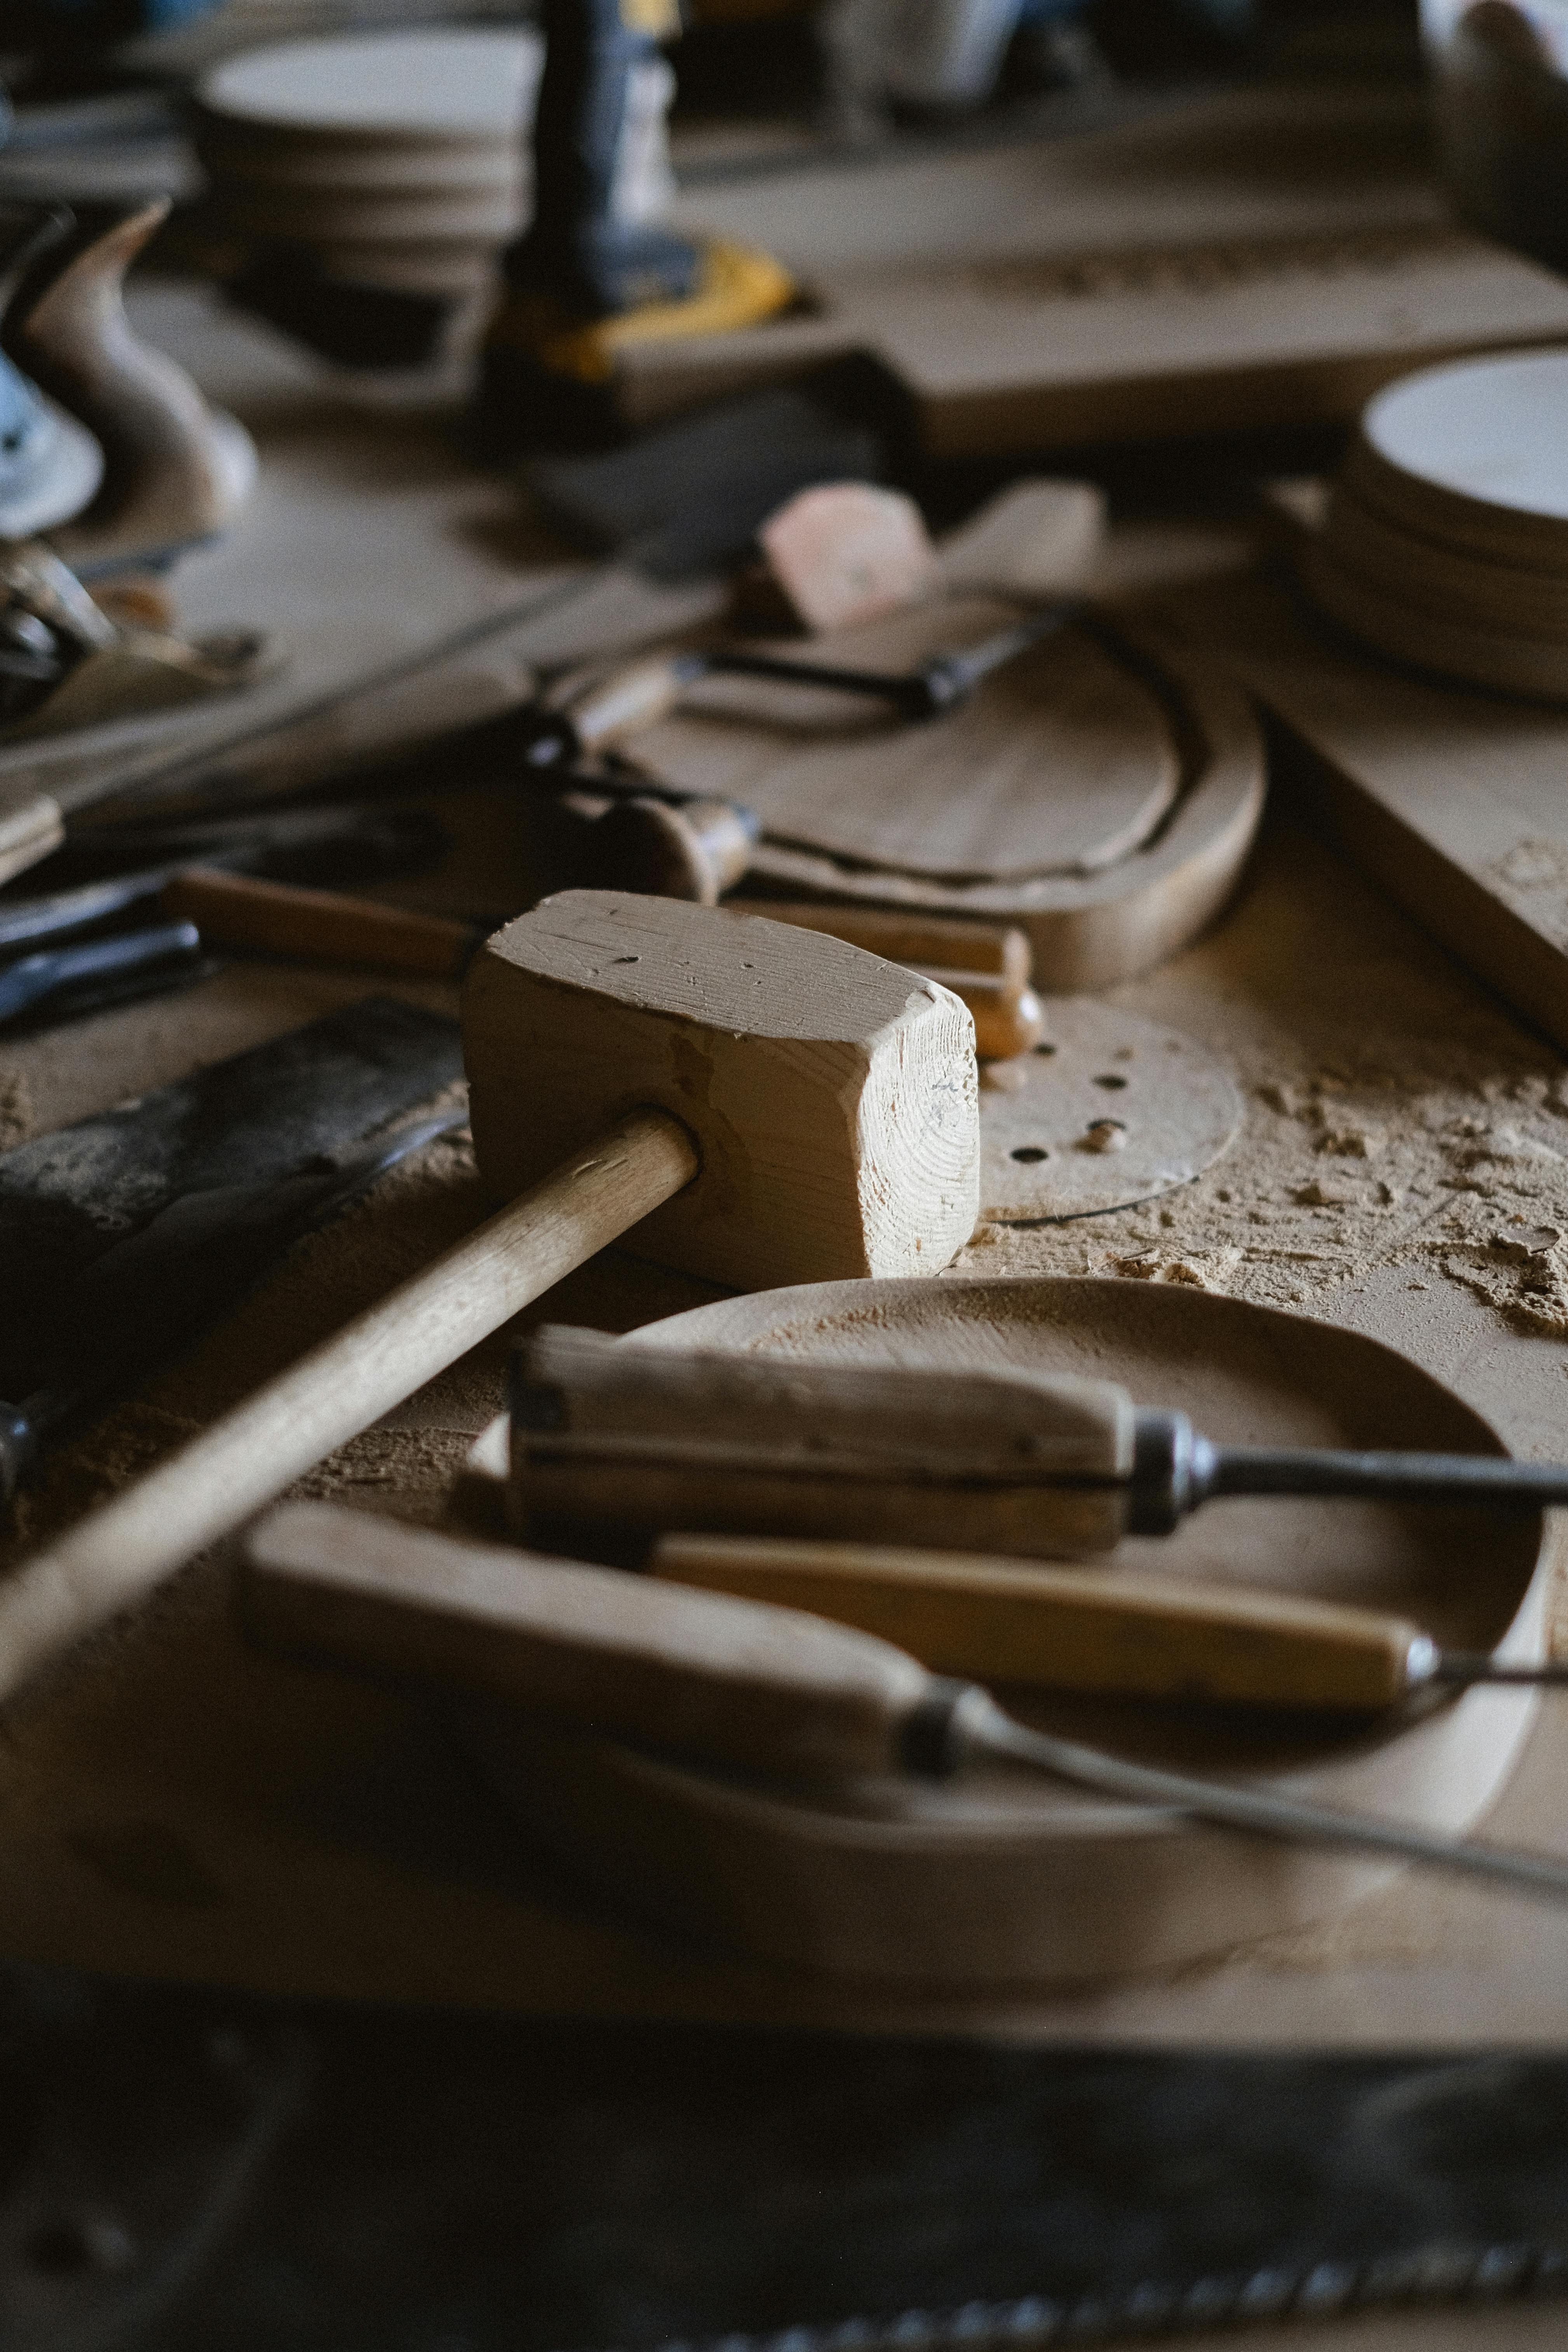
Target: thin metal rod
pixel 1466 1666
pixel 980 1725
pixel 939 684
pixel 1492 1479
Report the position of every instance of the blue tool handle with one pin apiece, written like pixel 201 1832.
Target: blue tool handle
pixel 33 979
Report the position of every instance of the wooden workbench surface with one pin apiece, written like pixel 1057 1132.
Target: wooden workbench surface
pixel 169 1805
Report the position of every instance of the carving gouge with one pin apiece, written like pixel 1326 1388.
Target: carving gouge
pixel 1080 1630
pixel 728 1681
pixel 615 707
pixel 996 1458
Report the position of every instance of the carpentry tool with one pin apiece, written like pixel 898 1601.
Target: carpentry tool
pixel 153 1293
pixel 95 973
pixel 1002 1459
pixel 331 927
pixel 609 709
pixel 813 1107
pixel 1078 1629
pixel 738 1682
pixel 256 1119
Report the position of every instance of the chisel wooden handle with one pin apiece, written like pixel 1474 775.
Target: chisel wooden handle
pixel 727 1680
pixel 235 910
pixel 1143 1637
pixel 120 1552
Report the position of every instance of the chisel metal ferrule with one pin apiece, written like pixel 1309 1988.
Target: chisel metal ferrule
pixel 1172 1472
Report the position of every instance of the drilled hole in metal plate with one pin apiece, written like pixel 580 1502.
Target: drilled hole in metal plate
pixel 1029 1153
pixel 1045 1049
pixel 1110 1082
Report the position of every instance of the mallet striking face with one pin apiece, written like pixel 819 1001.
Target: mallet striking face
pixel 750 1102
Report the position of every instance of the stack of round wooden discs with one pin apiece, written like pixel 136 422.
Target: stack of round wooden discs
pixel 394 160
pixel 1447 537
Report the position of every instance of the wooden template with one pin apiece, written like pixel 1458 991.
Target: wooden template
pixel 1122 786
pixel 1250 259
pixel 1004 1878
pixel 1452 800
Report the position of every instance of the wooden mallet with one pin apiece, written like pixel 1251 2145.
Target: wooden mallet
pixel 762 1104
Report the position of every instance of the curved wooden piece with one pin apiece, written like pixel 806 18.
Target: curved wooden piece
pixel 1005 1879
pixel 175 471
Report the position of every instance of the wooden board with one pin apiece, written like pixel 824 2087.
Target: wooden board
pixel 1254 257
pixel 1006 1879
pixel 1090 929
pixel 1061 762
pixel 1452 800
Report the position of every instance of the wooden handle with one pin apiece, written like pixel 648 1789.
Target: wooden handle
pixel 629 700
pixel 733 1681
pixel 245 1459
pixel 926 943
pixel 1005 1023
pixel 1142 1637
pixel 615 1439
pixel 235 910
pixel 29 830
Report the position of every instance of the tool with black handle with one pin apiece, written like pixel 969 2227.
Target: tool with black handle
pixel 732 1682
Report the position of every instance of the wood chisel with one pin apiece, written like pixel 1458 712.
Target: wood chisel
pixel 611 1437
pixel 730 1682
pixel 1080 1630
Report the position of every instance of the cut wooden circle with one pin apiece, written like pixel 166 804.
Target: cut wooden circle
pixel 375 167
pixel 1476 453
pixel 1088 929
pixel 1455 586
pixel 466 84
pixel 1007 1878
pixel 1108 1111
pixel 1515 663
pixel 1059 763
pixel 485 217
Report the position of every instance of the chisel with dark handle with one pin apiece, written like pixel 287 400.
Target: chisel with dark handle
pixel 722 1680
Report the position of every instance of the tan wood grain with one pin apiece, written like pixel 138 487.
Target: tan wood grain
pixel 742 1684
pixel 833 1095
pixel 994 1620
pixel 322 926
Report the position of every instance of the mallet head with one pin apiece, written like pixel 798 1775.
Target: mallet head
pixel 832 1095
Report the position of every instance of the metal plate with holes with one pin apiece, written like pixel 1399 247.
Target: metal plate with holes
pixel 1107 1111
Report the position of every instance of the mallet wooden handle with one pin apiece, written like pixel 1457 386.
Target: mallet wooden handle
pixel 1071 1628
pixel 122 1551
pixel 235 911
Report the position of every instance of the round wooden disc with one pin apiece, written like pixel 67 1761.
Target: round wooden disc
pixel 1476 453
pixel 1516 663
pixel 1008 1876
pixel 465 84
pixel 1107 1111
pixel 365 167
pixel 310 219
pixel 1090 930
pixel 1468 590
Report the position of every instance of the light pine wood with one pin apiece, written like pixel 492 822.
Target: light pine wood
pixel 238 910
pixel 1087 931
pixel 985 965
pixel 1250 257
pixel 1452 801
pixel 1060 762
pixel 1003 1881
pixel 893 1180
pixel 996 1620
pixel 212 1485
pixel 752 1685
pixel 832 1095
pixel 609 1441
